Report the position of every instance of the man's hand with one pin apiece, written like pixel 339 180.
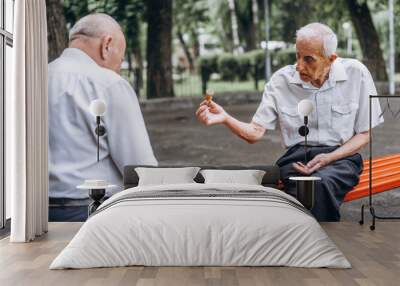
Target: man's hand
pixel 211 113
pixel 351 147
pixel 315 164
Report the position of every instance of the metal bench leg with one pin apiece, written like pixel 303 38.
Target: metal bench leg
pixel 361 222
pixel 372 211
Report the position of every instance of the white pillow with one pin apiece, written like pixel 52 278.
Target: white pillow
pixel 163 176
pixel 248 177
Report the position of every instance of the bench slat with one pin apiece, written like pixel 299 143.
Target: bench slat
pixel 385 177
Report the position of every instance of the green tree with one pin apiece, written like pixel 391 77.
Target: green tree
pixel 285 21
pixel 189 17
pixel 221 23
pixel 129 14
pixel 247 14
pixel 159 49
pixel 56 29
pixel 368 38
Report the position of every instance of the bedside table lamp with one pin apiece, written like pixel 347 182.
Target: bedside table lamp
pixel 305 185
pixel 96 188
pixel 304 108
pixel 98 108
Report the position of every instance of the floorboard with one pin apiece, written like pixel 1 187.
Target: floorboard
pixel 374 255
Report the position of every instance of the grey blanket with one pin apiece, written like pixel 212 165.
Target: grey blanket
pixel 201 194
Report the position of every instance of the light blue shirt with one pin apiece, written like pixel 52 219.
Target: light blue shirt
pixel 341 105
pixel 74 81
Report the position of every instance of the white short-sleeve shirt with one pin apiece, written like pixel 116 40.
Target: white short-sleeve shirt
pixel 74 81
pixel 341 104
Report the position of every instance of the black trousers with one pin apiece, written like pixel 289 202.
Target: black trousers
pixel 71 210
pixel 337 179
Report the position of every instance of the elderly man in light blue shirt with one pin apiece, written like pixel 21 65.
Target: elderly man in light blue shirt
pixel 87 70
pixel 339 90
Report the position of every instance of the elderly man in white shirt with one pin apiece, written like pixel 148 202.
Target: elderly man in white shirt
pixel 339 127
pixel 89 69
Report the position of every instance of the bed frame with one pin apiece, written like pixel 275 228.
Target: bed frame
pixel 270 179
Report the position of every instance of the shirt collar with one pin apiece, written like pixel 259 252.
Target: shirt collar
pixel 337 73
pixel 78 55
pixel 295 79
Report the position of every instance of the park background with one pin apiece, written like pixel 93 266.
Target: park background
pixel 182 44
pixel 178 48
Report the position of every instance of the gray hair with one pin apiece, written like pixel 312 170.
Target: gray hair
pixel 94 26
pixel 321 32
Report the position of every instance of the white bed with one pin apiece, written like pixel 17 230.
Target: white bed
pixel 223 224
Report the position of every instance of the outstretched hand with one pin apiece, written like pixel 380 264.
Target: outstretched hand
pixel 315 164
pixel 210 113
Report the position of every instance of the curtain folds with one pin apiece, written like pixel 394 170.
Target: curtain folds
pixel 27 124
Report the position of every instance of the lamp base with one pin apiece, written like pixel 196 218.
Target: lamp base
pixel 96 195
pixel 305 190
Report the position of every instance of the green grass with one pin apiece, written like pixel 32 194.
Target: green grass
pixel 191 86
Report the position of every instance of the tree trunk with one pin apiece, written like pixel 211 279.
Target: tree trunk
pixel 130 70
pixel 186 50
pixel 248 23
pixel 254 24
pixel 248 31
pixel 138 71
pixel 56 28
pixel 196 44
pixel 234 26
pixel 159 49
pixel 368 38
pixel 290 24
pixel 249 35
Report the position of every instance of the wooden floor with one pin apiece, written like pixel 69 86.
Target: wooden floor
pixel 375 257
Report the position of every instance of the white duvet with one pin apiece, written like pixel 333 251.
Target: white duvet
pixel 183 231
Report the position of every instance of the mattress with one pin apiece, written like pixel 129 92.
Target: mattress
pixel 201 225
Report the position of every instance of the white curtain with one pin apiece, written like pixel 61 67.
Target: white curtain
pixel 26 124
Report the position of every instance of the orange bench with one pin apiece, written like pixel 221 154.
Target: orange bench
pixel 385 177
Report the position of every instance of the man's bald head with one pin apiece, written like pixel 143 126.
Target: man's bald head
pixel 101 37
pixel 95 26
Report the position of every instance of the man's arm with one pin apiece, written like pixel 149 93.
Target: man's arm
pixel 212 113
pixel 251 132
pixel 355 144
pixel 127 136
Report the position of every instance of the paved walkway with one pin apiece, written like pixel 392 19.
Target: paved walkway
pixel 178 138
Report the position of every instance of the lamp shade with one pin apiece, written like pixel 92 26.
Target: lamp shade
pixel 305 107
pixel 97 107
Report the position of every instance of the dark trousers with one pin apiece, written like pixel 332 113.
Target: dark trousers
pixel 71 210
pixel 337 179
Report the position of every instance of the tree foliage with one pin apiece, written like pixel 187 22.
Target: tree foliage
pixel 193 17
pixel 128 13
pixel 190 16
